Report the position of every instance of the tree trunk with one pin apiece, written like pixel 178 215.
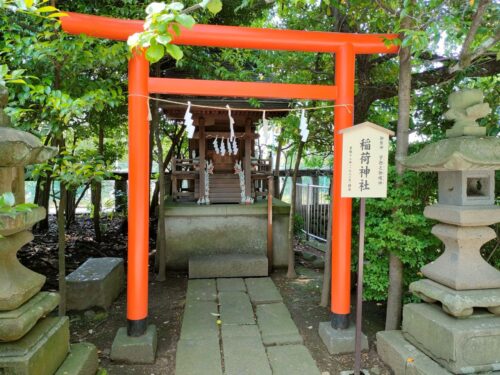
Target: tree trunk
pixel 395 295
pixel 42 198
pixel 166 161
pixel 97 191
pixel 291 274
pixel 61 249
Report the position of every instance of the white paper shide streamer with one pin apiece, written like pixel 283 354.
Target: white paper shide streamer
pixel 235 147
pixel 222 147
pixel 229 151
pixel 304 131
pixel 216 146
pixel 231 123
pixel 188 121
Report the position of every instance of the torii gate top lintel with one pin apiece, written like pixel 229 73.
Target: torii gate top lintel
pixel 235 36
pixel 345 47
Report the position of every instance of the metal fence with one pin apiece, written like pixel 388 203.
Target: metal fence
pixel 312 203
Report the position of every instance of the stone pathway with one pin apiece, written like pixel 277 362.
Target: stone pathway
pixel 239 327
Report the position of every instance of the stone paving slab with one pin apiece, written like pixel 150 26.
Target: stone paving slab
pixel 276 325
pixel 201 290
pixel 262 290
pixel 200 320
pixel 198 357
pixel 291 360
pixel 235 308
pixel 244 353
pixel 231 285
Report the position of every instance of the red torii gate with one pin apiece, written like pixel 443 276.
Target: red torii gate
pixel 345 47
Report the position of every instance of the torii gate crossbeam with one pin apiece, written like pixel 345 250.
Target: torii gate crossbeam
pixel 344 46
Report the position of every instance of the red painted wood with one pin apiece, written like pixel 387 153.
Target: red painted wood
pixel 197 87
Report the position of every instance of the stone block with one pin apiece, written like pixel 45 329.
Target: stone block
pixel 18 283
pixel 16 323
pixel 97 282
pixel 226 229
pixel 262 290
pixel 227 265
pixel 39 352
pixel 235 308
pixel 403 358
pixel 231 285
pixel 291 360
pixel 276 325
pixel 339 341
pixel 201 290
pixel 81 360
pixel 198 357
pixel 128 349
pixel 459 303
pixel 244 353
pixel 200 320
pixel 460 345
pixel 465 216
pixel 461 266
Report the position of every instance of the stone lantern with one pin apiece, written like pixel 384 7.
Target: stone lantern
pixel 31 341
pixel 457 329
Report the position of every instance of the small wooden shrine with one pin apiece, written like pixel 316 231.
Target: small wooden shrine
pixel 219 170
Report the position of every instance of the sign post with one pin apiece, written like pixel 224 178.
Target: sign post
pixel 365 150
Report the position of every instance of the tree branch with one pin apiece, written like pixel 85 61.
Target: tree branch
pixel 465 57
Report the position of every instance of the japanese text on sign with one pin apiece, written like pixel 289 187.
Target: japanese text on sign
pixel 364 165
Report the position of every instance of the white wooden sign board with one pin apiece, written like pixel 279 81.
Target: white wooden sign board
pixel 365 152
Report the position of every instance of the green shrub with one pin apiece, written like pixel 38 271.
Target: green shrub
pixel 396 224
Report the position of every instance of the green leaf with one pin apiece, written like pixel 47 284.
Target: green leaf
pixel 185 20
pixel 47 9
pixel 163 39
pixel 175 6
pixel 176 28
pixel 174 51
pixel 57 15
pixel 214 6
pixel 155 52
pixel 19 81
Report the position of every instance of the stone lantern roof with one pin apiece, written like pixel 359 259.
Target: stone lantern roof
pixel 467 147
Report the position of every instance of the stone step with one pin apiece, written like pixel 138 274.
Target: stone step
pixel 16 323
pixel 227 265
pixel 97 282
pixel 39 352
pixel 81 360
pixel 403 358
